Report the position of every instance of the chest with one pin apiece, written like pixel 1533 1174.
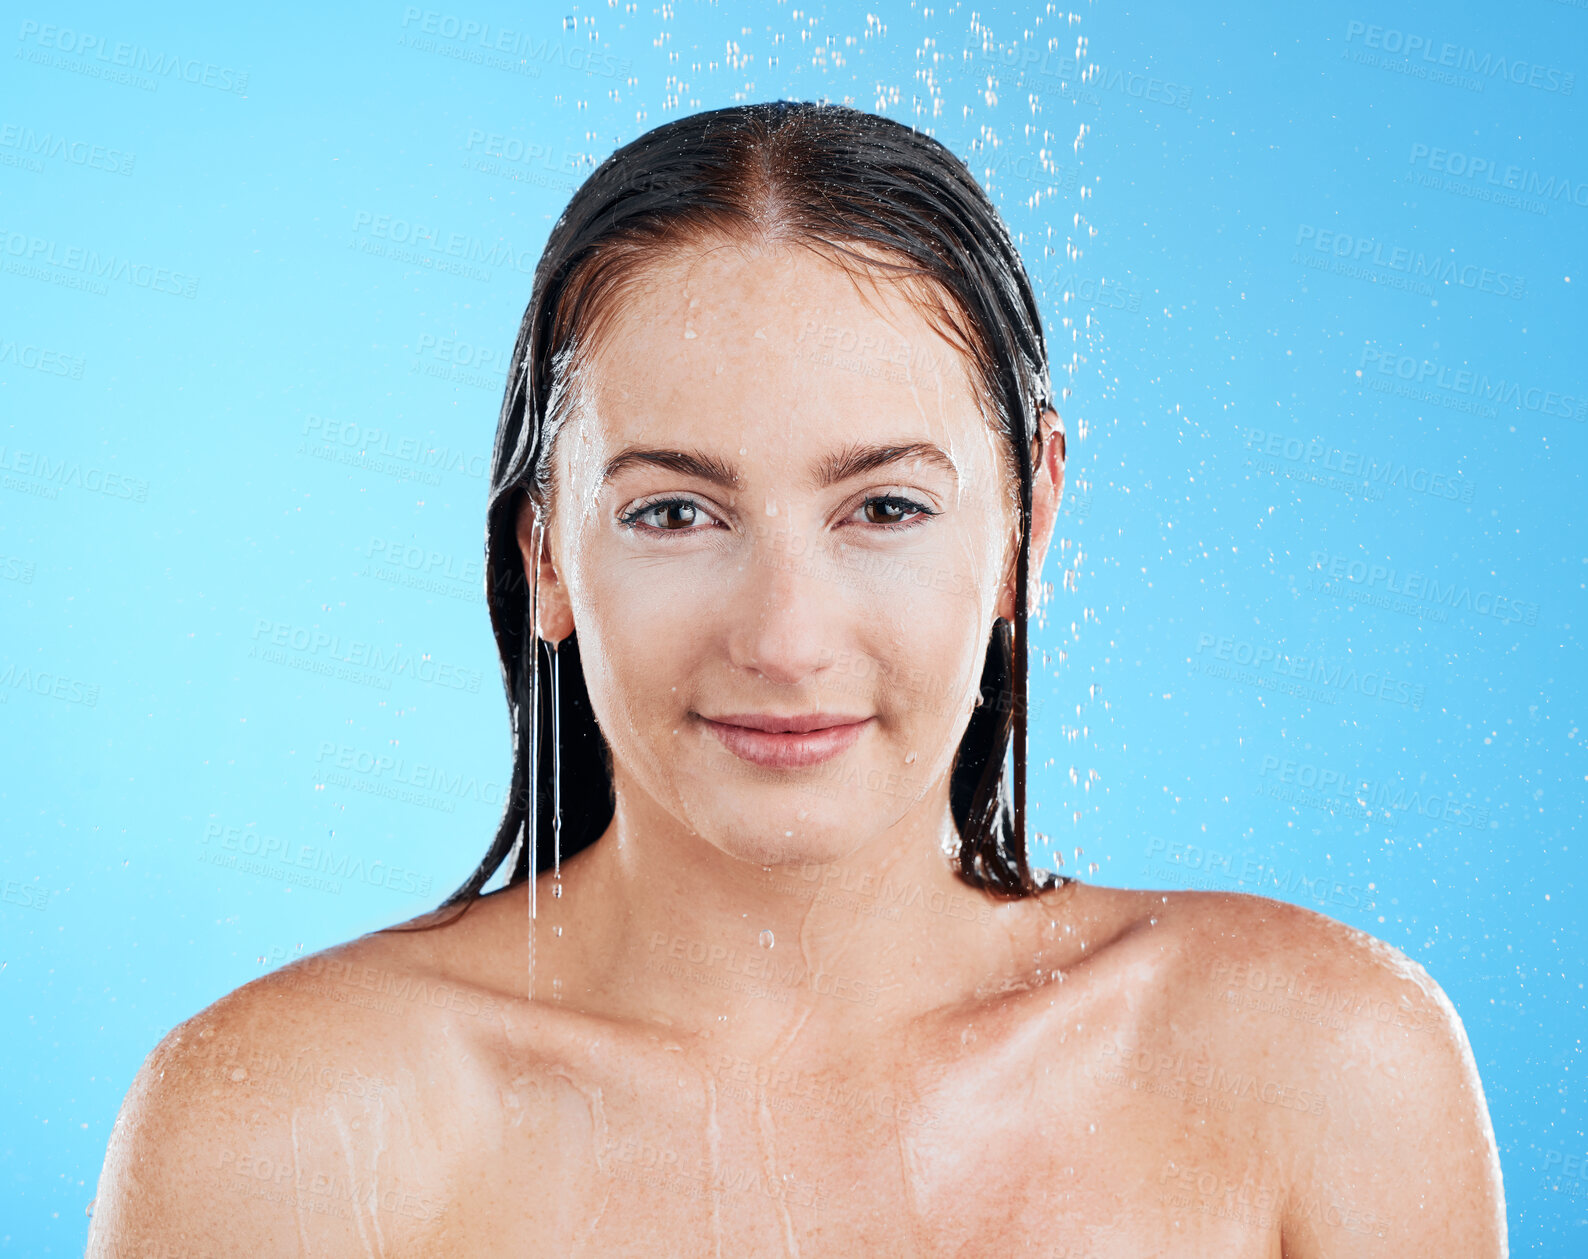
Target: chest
pixel 991 1148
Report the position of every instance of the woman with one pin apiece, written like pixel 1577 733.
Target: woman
pixel 776 468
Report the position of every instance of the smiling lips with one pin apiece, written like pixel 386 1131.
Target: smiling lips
pixel 786 742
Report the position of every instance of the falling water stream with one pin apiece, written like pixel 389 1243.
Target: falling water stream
pixel 532 821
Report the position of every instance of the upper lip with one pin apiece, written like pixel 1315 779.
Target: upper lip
pixel 798 723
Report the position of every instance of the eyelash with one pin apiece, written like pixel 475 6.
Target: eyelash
pixel 631 519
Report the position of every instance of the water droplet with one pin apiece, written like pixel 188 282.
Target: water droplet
pixel 556 891
pixel 1092 867
pixel 766 939
pixel 557 930
pixel 909 758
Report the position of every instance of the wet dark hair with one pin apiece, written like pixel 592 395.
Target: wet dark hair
pixel 839 181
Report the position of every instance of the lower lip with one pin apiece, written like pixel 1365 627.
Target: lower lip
pixel 787 751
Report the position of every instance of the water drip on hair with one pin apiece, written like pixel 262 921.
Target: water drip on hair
pixel 531 823
pixel 556 773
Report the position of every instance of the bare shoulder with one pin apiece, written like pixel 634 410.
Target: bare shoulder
pixel 1231 953
pixel 1357 1057
pixel 1290 959
pixel 297 1114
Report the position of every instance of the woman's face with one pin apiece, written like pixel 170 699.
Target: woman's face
pixel 779 501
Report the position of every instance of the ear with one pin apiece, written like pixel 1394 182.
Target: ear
pixel 555 619
pixel 1047 490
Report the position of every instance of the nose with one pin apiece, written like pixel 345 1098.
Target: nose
pixel 784 609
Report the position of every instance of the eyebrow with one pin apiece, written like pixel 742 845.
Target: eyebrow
pixel 850 461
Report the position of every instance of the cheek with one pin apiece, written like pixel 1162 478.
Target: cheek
pixel 636 643
pixel 927 629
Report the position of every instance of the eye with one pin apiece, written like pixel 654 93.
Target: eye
pixel 893 511
pixel 666 515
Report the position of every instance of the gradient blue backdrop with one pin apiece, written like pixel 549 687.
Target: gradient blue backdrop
pixel 1313 274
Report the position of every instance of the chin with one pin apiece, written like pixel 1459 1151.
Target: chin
pixel 761 836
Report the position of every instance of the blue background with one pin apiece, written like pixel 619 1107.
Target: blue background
pixel 268 424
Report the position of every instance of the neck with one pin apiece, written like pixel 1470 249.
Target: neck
pixel 660 925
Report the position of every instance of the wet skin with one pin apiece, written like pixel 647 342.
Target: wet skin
pixel 767 1017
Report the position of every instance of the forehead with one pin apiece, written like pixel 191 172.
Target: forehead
pixel 772 353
